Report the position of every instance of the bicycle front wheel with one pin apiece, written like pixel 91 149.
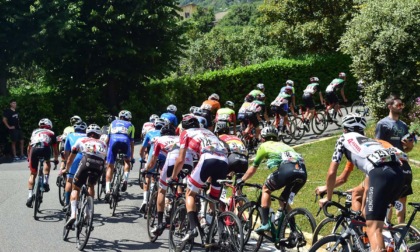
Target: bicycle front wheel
pixel 226 233
pixel 357 107
pixel 178 229
pixel 327 227
pixel 250 216
pixel 413 235
pixel 65 229
pixel 84 225
pixel 296 229
pixel 288 135
pixel 331 243
pixel 319 123
pixel 299 129
pixel 341 112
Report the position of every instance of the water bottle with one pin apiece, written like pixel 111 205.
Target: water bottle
pixel 279 215
pixel 272 215
pixel 388 240
pixel 209 218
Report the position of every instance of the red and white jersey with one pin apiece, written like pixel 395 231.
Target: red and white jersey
pixel 165 144
pixel 148 126
pixel 200 140
pixel 43 138
pixel 235 144
pixel 254 107
pixel 91 146
pixel 280 100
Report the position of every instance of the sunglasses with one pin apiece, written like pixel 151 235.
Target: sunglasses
pixel 399 105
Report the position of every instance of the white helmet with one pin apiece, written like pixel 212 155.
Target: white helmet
pixel 342 75
pixel 260 86
pixel 94 128
pixel 214 96
pixel 314 79
pixel 171 108
pixel 354 122
pixel 75 119
pixel 45 123
pixel 290 82
pixel 153 117
pixel 159 123
pixel 81 126
pixel 230 104
pixel 125 114
pixel 269 133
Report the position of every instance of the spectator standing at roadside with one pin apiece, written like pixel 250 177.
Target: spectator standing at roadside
pixel 11 121
pixel 393 130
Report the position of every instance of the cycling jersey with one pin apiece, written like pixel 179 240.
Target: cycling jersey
pixel 148 126
pixel 200 140
pixel 171 118
pixel 70 142
pixel 165 144
pixel 255 107
pixel 254 93
pixel 149 141
pixel 43 138
pixel 335 85
pixel 311 89
pixel 234 144
pixel 273 151
pixel 169 165
pixel 281 99
pixel 210 105
pixel 225 114
pixel 90 146
pixel 67 130
pixel 283 91
pixel 121 135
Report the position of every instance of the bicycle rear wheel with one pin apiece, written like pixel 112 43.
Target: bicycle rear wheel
pixel 413 235
pixel 37 197
pixel 178 229
pixel 65 229
pixel 331 243
pixel 100 187
pixel 226 233
pixel 319 123
pixel 297 229
pixel 84 225
pixel 250 216
pixel 288 135
pixel 299 129
pixel 342 111
pixel 357 107
pixel 152 216
pixel 61 183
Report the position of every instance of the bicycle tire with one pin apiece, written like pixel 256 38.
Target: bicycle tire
pixel 326 242
pixel 319 123
pixel 357 107
pixel 37 197
pixel 152 216
pixel 66 230
pixel 252 242
pixel 116 188
pixel 141 176
pixel 288 136
pixel 232 237
pixel 61 191
pixel 415 247
pixel 299 128
pixel 413 235
pixel 324 228
pixel 342 111
pixel 100 187
pixel 84 225
pixel 303 232
pixel 240 201
pixel 178 229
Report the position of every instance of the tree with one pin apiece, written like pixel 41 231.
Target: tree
pixel 383 42
pixel 240 15
pixel 306 26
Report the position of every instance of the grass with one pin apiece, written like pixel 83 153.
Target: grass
pixel 317 157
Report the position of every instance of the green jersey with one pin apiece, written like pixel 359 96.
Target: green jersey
pixel 255 92
pixel 275 152
pixel 335 85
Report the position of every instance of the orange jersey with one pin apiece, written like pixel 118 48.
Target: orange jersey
pixel 211 105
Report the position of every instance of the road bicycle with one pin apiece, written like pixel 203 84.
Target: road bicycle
pixel 290 230
pixel 38 190
pixel 224 233
pixel 360 107
pixel 116 182
pixel 336 117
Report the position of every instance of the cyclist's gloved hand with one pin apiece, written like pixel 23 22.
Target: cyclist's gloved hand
pixel 170 181
pixel 206 185
pixel 143 170
pixel 141 160
pixel 239 182
pixel 133 161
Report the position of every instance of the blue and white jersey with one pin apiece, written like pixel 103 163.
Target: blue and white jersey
pixel 170 117
pixel 120 129
pixel 150 137
pixel 70 143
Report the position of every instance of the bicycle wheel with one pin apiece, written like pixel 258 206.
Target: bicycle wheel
pixel 152 216
pixel 178 229
pixel 65 229
pixel 357 107
pixel 331 243
pixel 239 202
pixel 299 128
pixel 297 229
pixel 288 135
pixel 319 123
pixel 116 192
pixel 340 114
pixel 84 226
pixel 226 233
pixel 327 227
pixel 61 183
pixel 100 187
pixel 37 197
pixel 415 247
pixel 250 216
pixel 413 235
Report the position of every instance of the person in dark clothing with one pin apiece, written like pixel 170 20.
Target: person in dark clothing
pixel 11 121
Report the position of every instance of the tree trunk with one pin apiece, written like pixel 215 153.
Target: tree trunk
pixel 3 86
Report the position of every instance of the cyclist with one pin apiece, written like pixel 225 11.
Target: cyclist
pixel 290 173
pixel 331 96
pixel 292 102
pixel 42 139
pixel 280 107
pixel 148 126
pixel 226 116
pixel 91 166
pixel 259 89
pixel 79 132
pixel 170 115
pixel 198 112
pixel 308 99
pixel 148 143
pixel 254 112
pixel 121 139
pixel 242 112
pixel 212 164
pixel 209 107
pixel 69 129
pixel 382 165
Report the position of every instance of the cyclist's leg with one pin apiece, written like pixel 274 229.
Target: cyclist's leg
pixel 408 190
pixel 46 153
pixel 110 160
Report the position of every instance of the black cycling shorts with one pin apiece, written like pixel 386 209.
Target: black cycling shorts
pixel 308 101
pixel 331 97
pixel 237 163
pixel 35 155
pixel 252 117
pixel 408 179
pixel 89 167
pixel 281 110
pixel 383 180
pixel 291 176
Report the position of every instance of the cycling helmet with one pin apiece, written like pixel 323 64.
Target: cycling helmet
pixel 159 123
pixel 167 130
pixel 314 79
pixel 222 128
pixel 342 75
pixel 94 130
pixel 80 127
pixel 75 119
pixel 125 114
pixel 171 108
pixel 111 118
pixel 193 108
pixel 249 98
pixel 261 97
pixel 290 82
pixel 153 117
pixel 230 104
pixel 45 123
pixel 189 122
pixel 354 122
pixel 260 86
pixel 202 121
pixel 214 96
pixel 269 133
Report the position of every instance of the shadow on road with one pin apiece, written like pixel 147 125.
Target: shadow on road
pixel 96 244
pixel 50 215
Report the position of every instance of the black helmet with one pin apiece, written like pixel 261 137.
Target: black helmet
pixel 222 128
pixel 189 122
pixel 249 98
pixel 167 130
